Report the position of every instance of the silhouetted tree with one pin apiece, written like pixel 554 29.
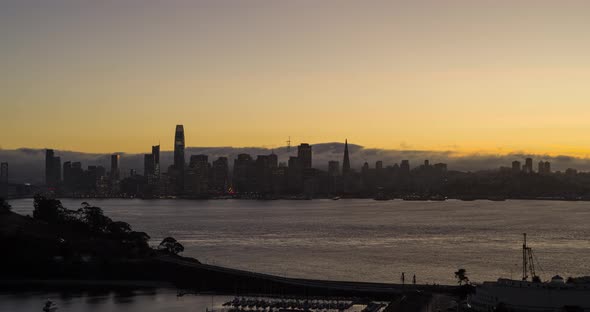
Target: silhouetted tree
pixel 461 276
pixel 501 307
pixel 119 228
pixel 47 209
pixel 95 218
pixel 4 206
pixel 170 245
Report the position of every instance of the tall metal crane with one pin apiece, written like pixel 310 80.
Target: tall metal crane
pixel 528 262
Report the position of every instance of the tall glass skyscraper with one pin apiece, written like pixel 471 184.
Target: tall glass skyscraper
pixel 179 158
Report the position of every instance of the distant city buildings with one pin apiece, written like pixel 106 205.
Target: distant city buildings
pixel 264 176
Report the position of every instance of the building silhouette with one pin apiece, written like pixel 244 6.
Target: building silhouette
pixel 156 156
pixel 404 167
pixel 4 173
pixel 52 169
pixel 220 175
pixel 333 168
pixel 304 155
pixel 196 182
pixel 528 166
pixel 243 174
pixel 346 160
pixel 177 174
pixel 115 173
pixel 516 167
pixel 149 165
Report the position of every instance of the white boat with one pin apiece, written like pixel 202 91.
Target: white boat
pixel 526 295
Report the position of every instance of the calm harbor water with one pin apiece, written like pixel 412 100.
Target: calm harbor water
pixel 365 240
pixel 136 301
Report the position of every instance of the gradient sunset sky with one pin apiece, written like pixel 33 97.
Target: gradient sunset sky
pixel 468 76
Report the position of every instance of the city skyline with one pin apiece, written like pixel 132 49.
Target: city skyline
pixel 466 76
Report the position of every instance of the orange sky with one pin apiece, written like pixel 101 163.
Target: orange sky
pixel 469 76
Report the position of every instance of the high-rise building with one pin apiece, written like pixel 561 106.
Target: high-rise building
pixel 365 168
pixel 294 175
pixel 57 169
pixel 149 166
pixel 346 160
pixel 197 175
pixel 404 167
pixel 516 166
pixel 220 175
pixel 541 167
pixel 52 168
pixel 156 156
pixel 49 176
pixel 243 174
pixel 379 165
pixel 4 173
pixel 528 166
pixel 115 166
pixel 67 173
pixel 304 155
pixel 273 160
pixel 544 167
pixel 178 172
pixel 333 168
pixel 263 174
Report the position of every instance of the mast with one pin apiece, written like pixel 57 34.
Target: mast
pixel 524 259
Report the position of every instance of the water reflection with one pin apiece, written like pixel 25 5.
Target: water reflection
pixel 112 301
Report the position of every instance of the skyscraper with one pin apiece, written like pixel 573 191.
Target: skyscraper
pixel 115 166
pixel 528 166
pixel 57 169
pixel 244 173
pixel 404 167
pixel 516 166
pixel 333 168
pixel 67 173
pixel 346 160
pixel 156 156
pixel 148 166
pixel 541 167
pixel 197 175
pixel 179 158
pixel 4 173
pixel 49 154
pixel 304 155
pixel 220 175
pixel 52 168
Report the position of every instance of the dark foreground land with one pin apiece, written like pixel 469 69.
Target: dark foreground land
pixel 60 248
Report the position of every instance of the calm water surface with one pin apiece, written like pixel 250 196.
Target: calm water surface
pixel 366 240
pixel 136 301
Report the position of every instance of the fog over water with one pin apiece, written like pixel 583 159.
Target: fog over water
pixel 366 240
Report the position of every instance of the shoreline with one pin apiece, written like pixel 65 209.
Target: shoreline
pixel 321 198
pixel 90 284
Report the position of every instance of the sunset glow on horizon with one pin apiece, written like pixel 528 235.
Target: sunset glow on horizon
pixel 493 77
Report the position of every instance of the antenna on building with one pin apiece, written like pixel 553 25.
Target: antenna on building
pixel 289 144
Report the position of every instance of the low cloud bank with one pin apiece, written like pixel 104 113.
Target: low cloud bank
pixel 28 165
